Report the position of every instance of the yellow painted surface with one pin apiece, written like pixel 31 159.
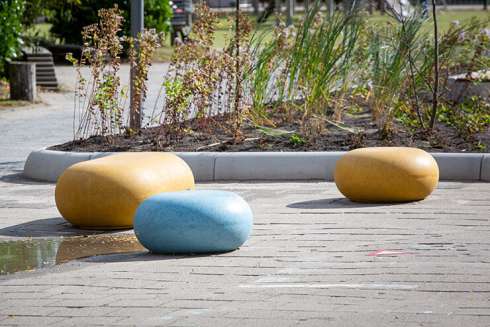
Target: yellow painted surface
pixel 104 193
pixel 386 174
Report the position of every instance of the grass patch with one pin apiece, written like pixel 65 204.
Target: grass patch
pixel 225 31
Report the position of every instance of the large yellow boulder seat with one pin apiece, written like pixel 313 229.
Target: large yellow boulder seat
pixel 386 174
pixel 104 193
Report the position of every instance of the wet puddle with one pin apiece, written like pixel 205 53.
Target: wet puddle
pixel 34 254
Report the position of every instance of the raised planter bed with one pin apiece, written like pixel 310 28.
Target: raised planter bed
pixel 468 85
pixel 47 165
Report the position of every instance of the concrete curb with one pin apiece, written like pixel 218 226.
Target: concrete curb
pixel 485 168
pixel 459 166
pixel 275 165
pixel 47 165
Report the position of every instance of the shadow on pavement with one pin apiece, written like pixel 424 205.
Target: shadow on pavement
pixel 49 227
pixel 335 203
pixel 146 256
pixel 19 178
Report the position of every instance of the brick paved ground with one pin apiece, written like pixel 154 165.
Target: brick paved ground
pixel 314 259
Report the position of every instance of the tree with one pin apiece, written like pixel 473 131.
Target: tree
pixel 69 17
pixel 33 10
pixel 11 12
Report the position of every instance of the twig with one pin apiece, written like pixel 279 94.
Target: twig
pixel 237 72
pixel 436 68
pixel 414 87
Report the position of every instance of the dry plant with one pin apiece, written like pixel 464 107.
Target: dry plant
pixel 240 51
pixel 140 53
pixel 461 50
pixel 99 100
pixel 304 75
pixel 203 82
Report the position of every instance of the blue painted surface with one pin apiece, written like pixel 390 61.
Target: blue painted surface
pixel 193 222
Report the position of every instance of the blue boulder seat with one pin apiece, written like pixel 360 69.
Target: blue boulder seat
pixel 193 222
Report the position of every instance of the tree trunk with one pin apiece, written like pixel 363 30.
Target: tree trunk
pixel 435 92
pixel 290 13
pixel 278 9
pixel 22 77
pixel 330 7
pixel 255 5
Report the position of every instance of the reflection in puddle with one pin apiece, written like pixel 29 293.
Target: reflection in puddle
pixel 27 255
pixel 38 253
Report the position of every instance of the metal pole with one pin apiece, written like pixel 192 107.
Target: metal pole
pixel 485 4
pixel 137 26
pixel 330 7
pixel 255 5
pixel 382 7
pixel 290 14
pixel 238 94
pixel 277 7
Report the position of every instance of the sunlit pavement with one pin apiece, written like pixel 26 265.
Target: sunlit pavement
pixel 314 259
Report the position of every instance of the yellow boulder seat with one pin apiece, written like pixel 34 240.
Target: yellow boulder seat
pixel 104 193
pixel 386 174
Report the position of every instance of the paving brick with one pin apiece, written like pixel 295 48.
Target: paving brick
pixel 85 312
pixel 313 259
pixel 29 321
pixel 87 321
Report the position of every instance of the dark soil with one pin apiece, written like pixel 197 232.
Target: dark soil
pixel 214 136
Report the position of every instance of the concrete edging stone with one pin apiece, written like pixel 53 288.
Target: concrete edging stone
pixel 48 165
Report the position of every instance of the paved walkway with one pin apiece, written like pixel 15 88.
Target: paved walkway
pixel 314 259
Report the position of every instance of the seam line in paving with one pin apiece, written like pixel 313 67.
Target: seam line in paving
pixel 214 168
pixel 481 167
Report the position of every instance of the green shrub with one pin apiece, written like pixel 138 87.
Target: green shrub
pixel 158 14
pixel 35 9
pixel 11 12
pixel 309 62
pixel 297 140
pixel 470 117
pixel 69 17
pixel 390 53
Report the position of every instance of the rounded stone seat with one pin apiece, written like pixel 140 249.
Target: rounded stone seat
pixel 193 222
pixel 386 174
pixel 104 193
